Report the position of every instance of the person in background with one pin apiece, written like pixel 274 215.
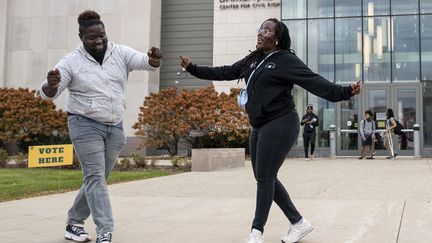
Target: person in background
pixel 95 73
pixel 310 122
pixel 389 136
pixel 367 133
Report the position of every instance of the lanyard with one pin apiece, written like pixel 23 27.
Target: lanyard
pixel 249 79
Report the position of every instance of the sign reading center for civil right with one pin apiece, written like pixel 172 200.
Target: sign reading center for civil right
pixel 50 155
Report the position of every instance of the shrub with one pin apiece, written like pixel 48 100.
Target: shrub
pixel 140 161
pixel 21 160
pixel 167 118
pixel 29 120
pixel 124 164
pixel 3 157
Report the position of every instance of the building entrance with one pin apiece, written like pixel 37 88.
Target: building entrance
pixel 404 99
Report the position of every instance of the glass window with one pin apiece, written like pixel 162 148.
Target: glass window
pixel 320 8
pixel 346 8
pixel 425 6
pixel 350 121
pixel 321 47
pixel 404 6
pixel 406 103
pixel 427 115
pixel 348 46
pixel 293 9
pixel 299 95
pixel 376 7
pixel 297 30
pixel 406 49
pixel 376 49
pixel 426 46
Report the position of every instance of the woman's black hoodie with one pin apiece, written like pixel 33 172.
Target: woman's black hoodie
pixel 269 93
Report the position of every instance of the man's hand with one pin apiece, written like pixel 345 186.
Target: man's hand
pixel 54 78
pixel 184 61
pixel 356 88
pixel 155 56
pixel 304 120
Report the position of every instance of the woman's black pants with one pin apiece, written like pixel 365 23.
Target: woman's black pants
pixel 269 146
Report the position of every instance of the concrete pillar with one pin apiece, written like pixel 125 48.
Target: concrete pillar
pixel 332 141
pixel 416 128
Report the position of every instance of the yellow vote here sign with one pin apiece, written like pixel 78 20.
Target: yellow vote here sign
pixel 50 155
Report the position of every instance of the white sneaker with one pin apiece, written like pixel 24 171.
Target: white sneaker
pixel 255 237
pixel 312 157
pixel 297 231
pixel 307 159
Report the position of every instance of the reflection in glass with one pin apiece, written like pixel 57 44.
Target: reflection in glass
pixel 427 115
pixel 348 8
pixel 320 8
pixel 349 120
pixel 425 6
pixel 406 106
pixel 299 95
pixel 321 47
pixel 348 47
pixel 376 49
pixel 297 30
pixel 376 7
pixel 377 100
pixel 404 6
pixel 406 49
pixel 293 9
pixel 426 46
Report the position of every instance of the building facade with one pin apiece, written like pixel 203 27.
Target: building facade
pixel 385 43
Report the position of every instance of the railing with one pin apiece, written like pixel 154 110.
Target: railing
pixel 415 130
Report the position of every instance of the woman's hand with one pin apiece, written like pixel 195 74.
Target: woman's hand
pixel 184 61
pixel 356 88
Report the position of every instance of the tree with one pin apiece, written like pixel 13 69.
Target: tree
pixel 28 119
pixel 167 118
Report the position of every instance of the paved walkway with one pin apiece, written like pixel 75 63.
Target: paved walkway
pixel 347 200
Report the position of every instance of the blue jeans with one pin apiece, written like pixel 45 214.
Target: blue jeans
pixel 97 146
pixel 269 146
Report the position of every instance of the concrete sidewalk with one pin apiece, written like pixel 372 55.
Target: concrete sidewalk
pixel 347 200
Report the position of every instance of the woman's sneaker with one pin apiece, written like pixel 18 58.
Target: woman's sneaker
pixel 76 233
pixel 298 231
pixel 255 237
pixel 104 238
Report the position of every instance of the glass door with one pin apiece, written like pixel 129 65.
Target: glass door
pixel 347 140
pixel 407 111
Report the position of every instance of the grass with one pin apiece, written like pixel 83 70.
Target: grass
pixel 17 183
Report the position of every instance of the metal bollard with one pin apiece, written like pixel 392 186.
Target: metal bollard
pixel 332 141
pixel 416 128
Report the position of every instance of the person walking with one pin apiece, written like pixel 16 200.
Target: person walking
pixel 367 134
pixel 310 122
pixel 270 72
pixel 95 73
pixel 389 135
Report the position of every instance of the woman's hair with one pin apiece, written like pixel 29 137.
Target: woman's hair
pixel 88 18
pixel 369 112
pixel 390 113
pixel 283 40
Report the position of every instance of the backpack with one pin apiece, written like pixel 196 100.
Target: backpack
pixel 398 129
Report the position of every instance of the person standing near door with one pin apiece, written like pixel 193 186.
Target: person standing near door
pixel 310 122
pixel 367 134
pixel 389 135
